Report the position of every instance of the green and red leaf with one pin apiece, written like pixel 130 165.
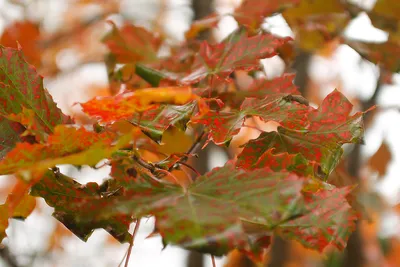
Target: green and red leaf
pixel 224 125
pixel 331 126
pixel 154 121
pixel 10 132
pixel 238 52
pixel 331 217
pixel 278 162
pixel 62 192
pixel 209 215
pixel 22 87
pixel 67 145
pixel 262 88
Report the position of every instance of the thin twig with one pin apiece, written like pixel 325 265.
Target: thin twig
pixel 170 175
pixel 191 150
pixel 123 259
pixel 132 242
pixel 189 167
pixel 213 261
pixel 253 127
pixel 61 36
pixel 196 143
pixel 144 164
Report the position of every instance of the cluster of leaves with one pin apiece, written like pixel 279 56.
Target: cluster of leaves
pixel 277 184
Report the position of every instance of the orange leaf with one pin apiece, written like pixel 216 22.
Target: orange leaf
pixel 27 34
pixel 132 43
pixel 124 105
pixel 18 204
pixel 201 25
pixel 380 160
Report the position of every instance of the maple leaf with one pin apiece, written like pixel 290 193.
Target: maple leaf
pixel 67 145
pixel 224 125
pixel 261 88
pixel 380 160
pixel 251 13
pixel 385 54
pixel 126 104
pixel 22 88
pixel 385 14
pixel 61 192
pixel 331 218
pixel 296 163
pixel 201 25
pixel 209 215
pixel 132 44
pixel 27 35
pixel 330 126
pixel 237 52
pixel 33 127
pixel 316 22
pixel 307 9
pixel 155 121
pixel 18 205
pixel 9 135
pixel 181 58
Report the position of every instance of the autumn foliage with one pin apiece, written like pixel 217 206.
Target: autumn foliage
pixel 276 185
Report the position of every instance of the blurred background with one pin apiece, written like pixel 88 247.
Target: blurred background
pixel 62 38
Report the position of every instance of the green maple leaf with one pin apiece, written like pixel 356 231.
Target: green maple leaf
pixel 21 88
pixel 67 145
pixel 214 213
pixel 331 126
pixel 61 192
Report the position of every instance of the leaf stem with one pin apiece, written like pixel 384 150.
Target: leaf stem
pixel 153 168
pixel 213 261
pixel 132 242
pixel 122 261
pixel 144 164
pixel 253 127
pixel 196 143
pixel 189 167
pixel 191 150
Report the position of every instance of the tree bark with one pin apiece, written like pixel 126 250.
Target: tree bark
pixel 280 247
pixel 201 9
pixel 353 255
pixel 300 65
pixel 279 252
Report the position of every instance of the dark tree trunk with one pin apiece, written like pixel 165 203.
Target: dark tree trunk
pixel 201 9
pixel 279 252
pixel 280 247
pixel 195 259
pixel 353 255
pixel 301 65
